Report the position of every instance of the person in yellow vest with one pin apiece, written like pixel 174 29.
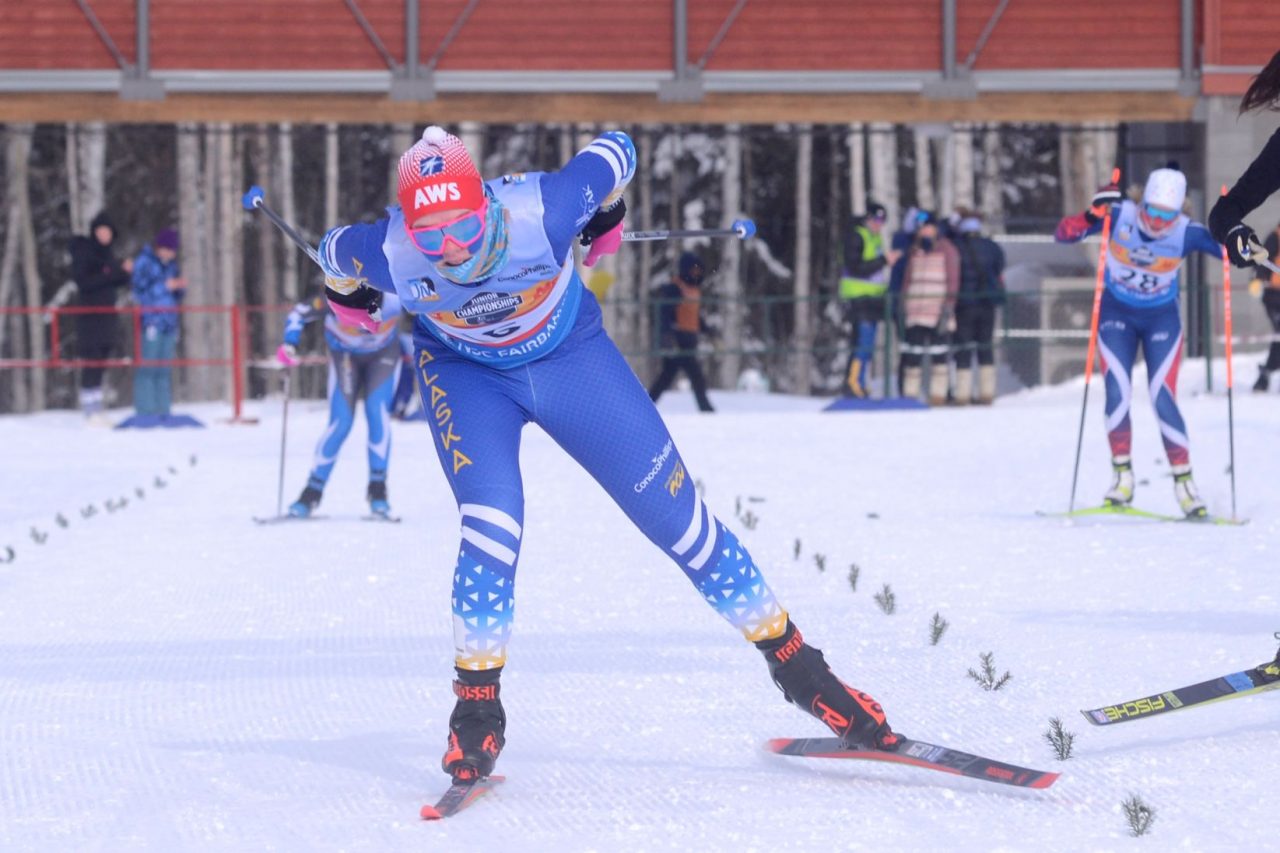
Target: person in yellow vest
pixel 1267 284
pixel 679 323
pixel 864 278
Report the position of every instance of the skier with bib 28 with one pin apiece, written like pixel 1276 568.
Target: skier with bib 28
pixel 506 334
pixel 1148 242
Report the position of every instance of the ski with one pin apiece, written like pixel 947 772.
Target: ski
pixel 375 517
pixel 919 754
pixel 459 796
pixel 1231 686
pixel 1135 512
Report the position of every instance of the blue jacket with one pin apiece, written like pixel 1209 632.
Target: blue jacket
pixel 149 277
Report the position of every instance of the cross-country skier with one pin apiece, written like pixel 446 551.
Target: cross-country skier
pixel 1258 182
pixel 507 335
pixel 363 362
pixel 1149 240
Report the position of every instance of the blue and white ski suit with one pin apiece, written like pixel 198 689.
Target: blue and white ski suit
pixel 361 364
pixel 526 345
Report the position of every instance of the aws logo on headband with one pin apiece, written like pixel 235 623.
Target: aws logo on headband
pixel 436 194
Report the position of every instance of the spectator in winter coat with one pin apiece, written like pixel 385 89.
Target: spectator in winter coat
pixel 981 293
pixel 157 283
pixel 679 322
pixel 927 277
pixel 97 274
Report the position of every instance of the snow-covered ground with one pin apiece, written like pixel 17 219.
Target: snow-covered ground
pixel 174 677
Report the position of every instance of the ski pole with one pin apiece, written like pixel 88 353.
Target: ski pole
pixel 1231 417
pixel 284 432
pixel 741 228
pixel 1093 338
pixel 1259 256
pixel 253 200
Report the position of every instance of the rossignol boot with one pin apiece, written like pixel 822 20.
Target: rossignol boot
pixel 477 727
pixel 1121 491
pixel 1184 489
pixel 306 502
pixel 804 678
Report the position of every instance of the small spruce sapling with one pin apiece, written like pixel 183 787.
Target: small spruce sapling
pixel 854 571
pixel 987 678
pixel 886 599
pixel 1139 814
pixel 937 628
pixel 1059 738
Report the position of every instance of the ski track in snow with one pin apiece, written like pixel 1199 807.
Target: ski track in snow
pixel 173 677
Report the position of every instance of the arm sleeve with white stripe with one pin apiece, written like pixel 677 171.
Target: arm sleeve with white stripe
pixel 594 178
pixel 355 252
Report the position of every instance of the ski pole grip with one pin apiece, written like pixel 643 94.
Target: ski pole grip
pixel 252 198
pixel 744 228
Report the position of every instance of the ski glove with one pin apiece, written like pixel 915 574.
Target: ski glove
pixel 1242 244
pixel 359 306
pixel 1102 201
pixel 287 355
pixel 603 233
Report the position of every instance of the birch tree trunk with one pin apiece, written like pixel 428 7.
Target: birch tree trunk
pixel 86 173
pixel 802 338
pixel 195 248
pixel 268 245
pixel 884 169
pixel 925 195
pixel 962 166
pixel 332 177
pixel 31 275
pixel 858 170
pixel 230 256
pixel 730 278
pixel 992 205
pixel 17 171
pixel 289 212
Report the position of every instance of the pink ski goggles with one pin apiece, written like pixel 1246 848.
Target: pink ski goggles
pixel 464 232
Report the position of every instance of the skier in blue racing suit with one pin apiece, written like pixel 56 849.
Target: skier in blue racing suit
pixel 506 335
pixel 363 362
pixel 1148 242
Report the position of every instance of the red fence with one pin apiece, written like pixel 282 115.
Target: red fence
pixel 237 345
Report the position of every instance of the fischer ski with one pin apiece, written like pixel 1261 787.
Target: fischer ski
pixel 459 796
pixel 1134 512
pixel 919 754
pixel 1231 686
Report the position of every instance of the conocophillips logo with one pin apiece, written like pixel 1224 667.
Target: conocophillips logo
pixel 658 461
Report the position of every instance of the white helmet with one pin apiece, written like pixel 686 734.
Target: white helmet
pixel 1166 190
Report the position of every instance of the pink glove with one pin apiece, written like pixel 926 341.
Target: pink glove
pixel 606 244
pixel 354 316
pixel 287 355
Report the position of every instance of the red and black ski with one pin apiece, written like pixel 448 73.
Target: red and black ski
pixel 919 754
pixel 459 796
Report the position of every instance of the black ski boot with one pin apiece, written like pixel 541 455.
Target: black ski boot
pixel 477 727
pixel 306 502
pixel 376 494
pixel 804 678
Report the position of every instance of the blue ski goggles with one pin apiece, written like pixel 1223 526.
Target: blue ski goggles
pixel 465 232
pixel 1159 213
